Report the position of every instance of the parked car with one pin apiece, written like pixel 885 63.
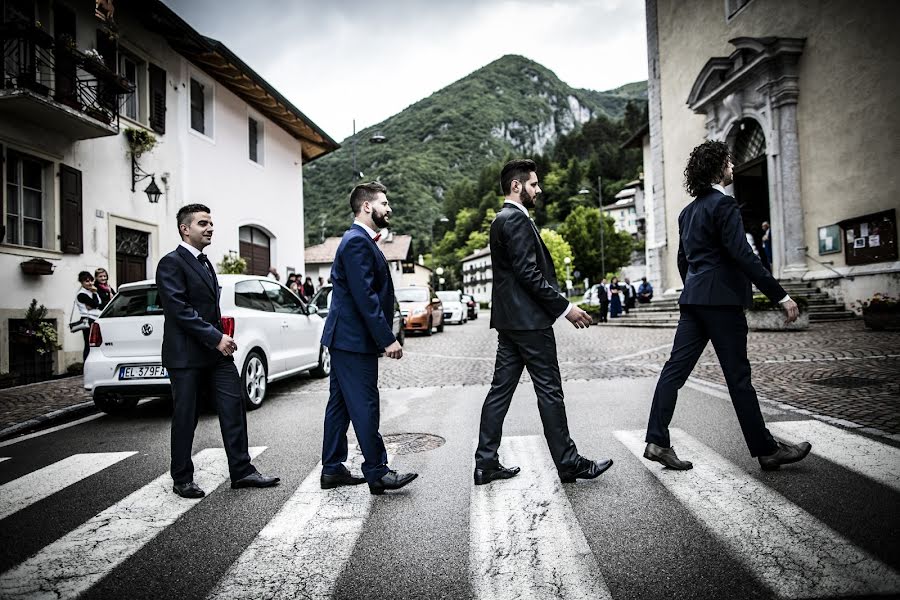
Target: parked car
pixel 592 295
pixel 455 310
pixel 322 301
pixel 277 336
pixel 471 306
pixel 421 309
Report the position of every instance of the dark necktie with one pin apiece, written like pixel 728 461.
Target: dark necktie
pixel 204 260
pixel 377 237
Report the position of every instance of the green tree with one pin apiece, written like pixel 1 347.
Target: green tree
pixel 559 249
pixel 581 230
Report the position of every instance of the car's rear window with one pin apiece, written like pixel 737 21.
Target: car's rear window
pixel 135 302
pixel 449 296
pixel 411 295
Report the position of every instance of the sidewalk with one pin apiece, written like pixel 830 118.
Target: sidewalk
pixel 26 406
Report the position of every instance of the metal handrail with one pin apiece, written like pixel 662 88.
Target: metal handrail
pixel 835 271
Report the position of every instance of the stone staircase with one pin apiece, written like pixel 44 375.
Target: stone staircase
pixel 663 312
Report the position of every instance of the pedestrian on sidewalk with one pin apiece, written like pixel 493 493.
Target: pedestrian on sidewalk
pixel 104 290
pixel 615 298
pixel 645 291
pixel 526 302
pixel 630 295
pixel 604 300
pixel 717 266
pixel 198 355
pixel 87 304
pixel 357 330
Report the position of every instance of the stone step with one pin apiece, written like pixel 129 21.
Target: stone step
pixel 844 315
pixel 637 323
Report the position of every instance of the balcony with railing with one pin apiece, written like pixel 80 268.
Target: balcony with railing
pixel 49 82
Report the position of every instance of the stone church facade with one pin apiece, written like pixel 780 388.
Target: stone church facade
pixel 806 94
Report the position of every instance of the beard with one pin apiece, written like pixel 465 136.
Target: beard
pixel 380 219
pixel 526 200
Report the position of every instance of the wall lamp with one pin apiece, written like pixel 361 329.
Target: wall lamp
pixel 138 174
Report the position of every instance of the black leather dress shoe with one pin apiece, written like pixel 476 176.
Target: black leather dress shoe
pixel 786 454
pixel 587 469
pixel 188 490
pixel 483 476
pixel 329 481
pixel 667 457
pixel 392 480
pixel 255 480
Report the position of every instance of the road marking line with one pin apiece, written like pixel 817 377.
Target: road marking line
pixel 28 489
pixel 72 564
pixel 525 541
pixel 51 430
pixel 787 549
pixel 2 458
pixel 301 552
pixel 869 458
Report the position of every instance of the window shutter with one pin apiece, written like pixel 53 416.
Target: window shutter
pixel 72 231
pixel 157 99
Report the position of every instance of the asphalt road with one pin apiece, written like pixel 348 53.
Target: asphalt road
pixel 827 527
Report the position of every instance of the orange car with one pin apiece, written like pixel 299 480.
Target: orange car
pixel 421 309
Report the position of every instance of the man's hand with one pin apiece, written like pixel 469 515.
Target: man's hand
pixel 579 318
pixel 395 350
pixel 227 345
pixel 791 311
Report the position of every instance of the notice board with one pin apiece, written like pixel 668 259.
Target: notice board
pixel 870 238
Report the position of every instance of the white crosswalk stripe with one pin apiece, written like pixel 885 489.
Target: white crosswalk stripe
pixel 301 552
pixel 787 549
pixel 78 560
pixel 2 458
pixel 872 459
pixel 28 489
pixel 525 541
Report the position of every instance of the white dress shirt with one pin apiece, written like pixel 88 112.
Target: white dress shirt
pixel 372 233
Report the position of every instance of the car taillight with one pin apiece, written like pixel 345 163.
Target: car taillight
pixel 95 339
pixel 228 326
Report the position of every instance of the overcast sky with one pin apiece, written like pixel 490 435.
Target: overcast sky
pixel 337 60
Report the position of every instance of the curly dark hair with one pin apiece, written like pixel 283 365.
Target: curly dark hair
pixel 706 166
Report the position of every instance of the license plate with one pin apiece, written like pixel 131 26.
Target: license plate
pixel 446 315
pixel 143 372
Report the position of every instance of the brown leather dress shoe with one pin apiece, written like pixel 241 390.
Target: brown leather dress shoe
pixel 786 454
pixel 667 457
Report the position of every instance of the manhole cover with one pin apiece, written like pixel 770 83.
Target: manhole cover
pixel 410 443
pixel 848 382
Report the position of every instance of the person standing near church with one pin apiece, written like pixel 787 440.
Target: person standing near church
pixel 198 355
pixel 357 330
pixel 526 301
pixel 717 267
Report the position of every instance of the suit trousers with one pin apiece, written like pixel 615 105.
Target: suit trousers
pixel 536 350
pixel 223 381
pixel 354 398
pixel 726 327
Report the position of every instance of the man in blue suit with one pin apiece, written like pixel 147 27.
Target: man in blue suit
pixel 717 266
pixel 197 354
pixel 357 330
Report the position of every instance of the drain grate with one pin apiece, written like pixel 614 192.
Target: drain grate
pixel 410 443
pixel 848 382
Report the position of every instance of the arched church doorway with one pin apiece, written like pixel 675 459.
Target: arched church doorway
pixel 751 181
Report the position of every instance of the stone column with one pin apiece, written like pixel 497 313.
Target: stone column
pixel 794 234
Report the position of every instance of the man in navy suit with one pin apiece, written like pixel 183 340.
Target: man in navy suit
pixel 357 330
pixel 717 266
pixel 197 354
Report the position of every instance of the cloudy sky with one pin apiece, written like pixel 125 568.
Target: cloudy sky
pixel 337 60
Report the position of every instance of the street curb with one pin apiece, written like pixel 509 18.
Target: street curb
pixel 51 418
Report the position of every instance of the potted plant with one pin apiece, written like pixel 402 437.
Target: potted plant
pixel 37 266
pixel 232 264
pixel 140 141
pixel 764 315
pixel 881 311
pixel 37 330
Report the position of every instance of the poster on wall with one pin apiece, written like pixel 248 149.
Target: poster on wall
pixel 870 238
pixel 830 239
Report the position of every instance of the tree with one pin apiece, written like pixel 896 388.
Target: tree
pixel 559 249
pixel 581 230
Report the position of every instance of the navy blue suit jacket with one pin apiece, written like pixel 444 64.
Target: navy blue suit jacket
pixel 362 297
pixel 716 263
pixel 190 302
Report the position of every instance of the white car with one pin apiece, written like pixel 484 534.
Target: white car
pixel 455 310
pixel 277 336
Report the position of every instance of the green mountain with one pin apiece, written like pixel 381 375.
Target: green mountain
pixel 511 106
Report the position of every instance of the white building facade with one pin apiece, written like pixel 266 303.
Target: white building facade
pixel 75 82
pixel 477 275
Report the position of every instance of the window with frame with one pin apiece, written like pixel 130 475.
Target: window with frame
pixel 254 130
pixel 198 106
pixel 25 197
pixel 133 69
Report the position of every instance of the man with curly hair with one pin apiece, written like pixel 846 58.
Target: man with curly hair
pixel 717 266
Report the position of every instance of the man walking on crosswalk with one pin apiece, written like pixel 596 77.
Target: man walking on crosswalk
pixel 717 266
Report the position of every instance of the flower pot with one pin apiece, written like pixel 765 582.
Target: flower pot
pixel 773 320
pixel 882 317
pixel 37 266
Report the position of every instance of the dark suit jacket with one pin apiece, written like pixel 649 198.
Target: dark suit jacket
pixel 362 297
pixel 190 302
pixel 525 292
pixel 714 259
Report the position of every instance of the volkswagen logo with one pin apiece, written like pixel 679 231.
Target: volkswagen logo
pixel 147 329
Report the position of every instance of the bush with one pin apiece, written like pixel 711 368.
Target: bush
pixel 232 264
pixel 761 302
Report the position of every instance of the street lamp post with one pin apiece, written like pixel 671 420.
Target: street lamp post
pixel 441 219
pixel 602 243
pixel 439 271
pixel 377 138
pixel 568 262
